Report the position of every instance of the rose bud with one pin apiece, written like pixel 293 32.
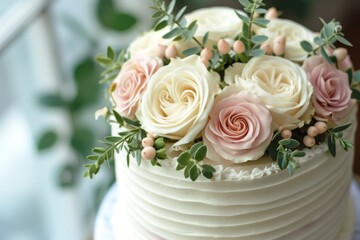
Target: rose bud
pixel 148 153
pixel 223 46
pixel 239 47
pixel 171 52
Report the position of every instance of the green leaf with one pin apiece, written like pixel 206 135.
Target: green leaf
pixel 47 140
pixel 194 148
pixel 173 33
pixel 157 14
pixel 357 76
pixel 325 55
pixel 289 143
pixel 180 167
pixel 292 166
pixel 331 145
pixel 52 100
pixel 343 40
pixel 298 153
pixel 194 173
pixel 184 158
pixel 138 157
pixel 257 52
pixel 192 51
pixel 306 46
pixel 341 127
pixel 133 123
pixel 110 53
pixel 208 171
pixel 113 139
pixel 243 17
pixel 187 169
pixel 160 25
pixel 180 13
pixel 112 18
pixel 200 153
pixel 259 39
pixel 318 40
pixel 171 6
pixel 118 118
pixel 261 22
pixel 205 39
pixel 349 72
pixel 245 3
pixel 355 94
pixel 261 10
pixel 92 157
pixel 161 153
pixel 128 159
pixel 99 150
pixel 245 31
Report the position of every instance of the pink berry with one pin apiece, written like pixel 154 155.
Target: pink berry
pixel 286 134
pixel 267 48
pixel 205 61
pixel 340 54
pixel 171 52
pixel 321 127
pixel 309 141
pixel 148 153
pixel 151 135
pixel 271 13
pixel 279 45
pixel 312 131
pixel 223 46
pixel 206 54
pixel 147 142
pixel 160 51
pixel 238 47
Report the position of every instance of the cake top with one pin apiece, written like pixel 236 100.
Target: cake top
pixel 221 86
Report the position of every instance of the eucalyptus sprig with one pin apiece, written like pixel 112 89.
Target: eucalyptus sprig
pixel 336 134
pixel 190 161
pixel 112 64
pixel 179 29
pixel 329 35
pixel 129 140
pixel 251 41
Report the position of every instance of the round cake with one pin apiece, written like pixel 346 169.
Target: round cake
pixel 231 124
pixel 258 201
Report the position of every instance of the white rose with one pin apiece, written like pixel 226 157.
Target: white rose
pixel 294 34
pixel 220 22
pixel 282 86
pixel 147 44
pixel 178 99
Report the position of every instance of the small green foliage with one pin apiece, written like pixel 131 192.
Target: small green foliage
pixel 112 64
pixel 306 46
pixel 336 134
pixel 165 17
pixel 129 140
pixel 190 161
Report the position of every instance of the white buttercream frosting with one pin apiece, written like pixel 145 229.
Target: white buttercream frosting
pixel 242 201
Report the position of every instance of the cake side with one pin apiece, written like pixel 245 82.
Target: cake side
pixel 310 204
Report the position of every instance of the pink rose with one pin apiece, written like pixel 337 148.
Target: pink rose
pixel 240 127
pixel 332 94
pixel 131 83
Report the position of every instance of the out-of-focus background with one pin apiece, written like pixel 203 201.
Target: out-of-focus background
pixel 49 92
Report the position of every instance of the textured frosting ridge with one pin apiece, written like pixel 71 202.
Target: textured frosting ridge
pixel 258 202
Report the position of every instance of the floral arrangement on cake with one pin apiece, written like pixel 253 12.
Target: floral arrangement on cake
pixel 222 85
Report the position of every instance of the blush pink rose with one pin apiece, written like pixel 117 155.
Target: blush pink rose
pixel 131 83
pixel 240 127
pixel 332 94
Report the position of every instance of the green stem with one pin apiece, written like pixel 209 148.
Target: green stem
pixel 324 43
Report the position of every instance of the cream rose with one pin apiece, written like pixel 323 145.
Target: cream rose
pixel 148 43
pixel 179 99
pixel 220 22
pixel 294 34
pixel 131 83
pixel 239 129
pixel 281 85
